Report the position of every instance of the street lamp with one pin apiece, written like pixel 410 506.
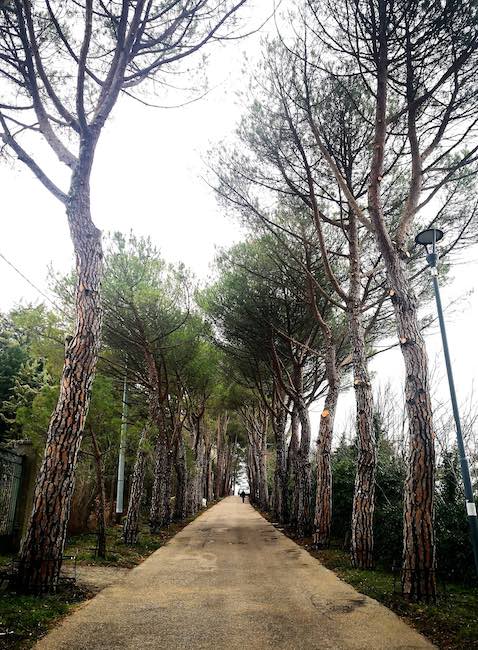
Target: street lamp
pixel 428 239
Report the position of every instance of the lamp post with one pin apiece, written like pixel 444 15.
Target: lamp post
pixel 429 238
pixel 122 453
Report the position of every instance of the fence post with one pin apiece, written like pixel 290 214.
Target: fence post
pixel 25 449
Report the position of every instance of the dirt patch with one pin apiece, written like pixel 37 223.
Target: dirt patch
pixel 95 578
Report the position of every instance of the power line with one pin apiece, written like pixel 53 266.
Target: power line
pixel 22 275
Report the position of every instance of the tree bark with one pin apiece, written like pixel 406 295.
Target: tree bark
pixel 111 509
pixel 280 477
pixel 323 498
pixel 364 492
pixel 303 471
pixel 180 503
pixel 131 523
pixel 41 553
pixel 222 456
pixel 263 486
pixel 292 477
pixel 101 498
pixel 209 475
pixel 418 571
pixel 196 478
pixel 160 512
pixel 251 475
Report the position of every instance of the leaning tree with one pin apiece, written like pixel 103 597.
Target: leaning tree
pixel 63 67
pixel 416 64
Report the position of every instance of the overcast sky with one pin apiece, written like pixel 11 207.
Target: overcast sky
pixel 147 177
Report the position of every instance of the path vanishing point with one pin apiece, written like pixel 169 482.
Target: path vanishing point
pixel 231 580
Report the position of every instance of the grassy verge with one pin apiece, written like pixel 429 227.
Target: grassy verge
pixel 117 553
pixel 24 619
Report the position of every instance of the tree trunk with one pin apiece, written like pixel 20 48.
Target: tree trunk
pixel 323 498
pixel 201 483
pixel 131 523
pixel 218 489
pixel 111 509
pixel 418 577
pixel 364 492
pixel 280 478
pixel 196 478
pixel 263 486
pixel 292 465
pixel 196 481
pixel 418 573
pixel 303 471
pixel 227 470
pixel 251 475
pixel 180 503
pixel 160 512
pixel 41 554
pixel 101 498
pixel 209 476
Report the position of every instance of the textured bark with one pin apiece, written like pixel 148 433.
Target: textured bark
pixel 263 485
pixel 180 502
pixel 303 522
pixel 418 573
pixel 112 503
pixel 280 477
pixel 292 452
pixel 223 457
pixel 252 476
pixel 220 460
pixel 196 479
pixel 364 492
pixel 131 523
pixel 323 498
pixel 160 512
pixel 101 498
pixel 418 576
pixel 209 475
pixel 227 471
pixel 42 547
pixel 256 420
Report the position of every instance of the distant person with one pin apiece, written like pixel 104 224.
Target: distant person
pixel 243 496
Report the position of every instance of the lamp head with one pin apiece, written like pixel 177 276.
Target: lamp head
pixel 428 238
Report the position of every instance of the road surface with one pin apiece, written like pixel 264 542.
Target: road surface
pixel 231 581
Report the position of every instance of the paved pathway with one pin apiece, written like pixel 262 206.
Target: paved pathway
pixel 231 581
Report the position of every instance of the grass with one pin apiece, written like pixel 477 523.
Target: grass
pixel 5 560
pixel 117 553
pixel 24 619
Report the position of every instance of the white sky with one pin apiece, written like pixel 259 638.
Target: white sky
pixel 147 177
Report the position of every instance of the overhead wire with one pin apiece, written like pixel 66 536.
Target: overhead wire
pixel 32 284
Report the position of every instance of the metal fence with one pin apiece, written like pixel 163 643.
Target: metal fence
pixel 10 480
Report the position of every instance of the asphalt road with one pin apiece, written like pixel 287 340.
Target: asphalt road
pixel 231 580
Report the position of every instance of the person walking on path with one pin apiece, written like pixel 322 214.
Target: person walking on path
pixel 243 496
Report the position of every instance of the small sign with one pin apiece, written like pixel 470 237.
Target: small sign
pixel 470 509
